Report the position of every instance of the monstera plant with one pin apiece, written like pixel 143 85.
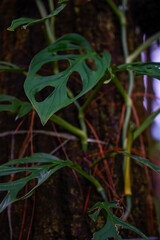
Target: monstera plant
pixel 76 50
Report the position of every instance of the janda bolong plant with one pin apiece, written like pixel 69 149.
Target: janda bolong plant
pixel 42 165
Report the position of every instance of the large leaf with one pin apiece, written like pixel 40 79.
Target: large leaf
pixel 58 98
pixel 14 105
pixel 113 223
pixel 30 21
pixel 40 172
pixel 148 68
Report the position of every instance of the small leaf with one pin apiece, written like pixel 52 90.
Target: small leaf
pixel 30 21
pixel 148 68
pixel 113 223
pixel 143 161
pixel 14 105
pixel 152 69
pixel 10 67
pixel 40 172
pixel 61 1
pixel 59 97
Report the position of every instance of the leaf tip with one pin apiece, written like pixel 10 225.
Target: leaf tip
pixel 10 29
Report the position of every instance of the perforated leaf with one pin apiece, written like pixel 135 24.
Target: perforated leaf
pixel 30 21
pixel 40 172
pixel 113 223
pixel 58 98
pixel 149 68
pixel 14 105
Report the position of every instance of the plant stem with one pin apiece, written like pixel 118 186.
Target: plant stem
pixel 76 131
pixel 118 13
pixel 142 47
pixel 122 19
pixel 98 186
pixel 122 91
pixel 145 124
pixel 50 35
pixel 126 141
pixel 52 20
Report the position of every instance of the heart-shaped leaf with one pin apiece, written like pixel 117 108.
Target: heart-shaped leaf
pixel 14 105
pixel 113 223
pixel 40 172
pixel 58 98
pixel 30 21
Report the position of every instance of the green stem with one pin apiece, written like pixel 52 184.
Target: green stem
pixel 98 186
pixel 122 91
pixel 117 12
pixel 129 206
pixel 76 131
pixel 145 124
pixel 50 30
pixel 142 47
pixel 43 12
pixel 52 20
pixel 122 19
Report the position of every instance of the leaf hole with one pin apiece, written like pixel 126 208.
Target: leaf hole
pixel 46 69
pixel 44 93
pixel 63 64
pixel 90 62
pixel 74 84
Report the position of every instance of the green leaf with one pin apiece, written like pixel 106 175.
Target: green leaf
pixel 14 105
pixel 143 161
pixel 10 67
pixel 61 1
pixel 58 98
pixel 113 223
pixel 40 172
pixel 30 21
pixel 148 68
pixel 151 69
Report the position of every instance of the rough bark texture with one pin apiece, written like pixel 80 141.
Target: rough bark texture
pixel 58 202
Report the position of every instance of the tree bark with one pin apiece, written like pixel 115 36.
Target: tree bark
pixel 59 202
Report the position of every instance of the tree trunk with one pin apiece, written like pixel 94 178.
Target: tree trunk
pixel 58 205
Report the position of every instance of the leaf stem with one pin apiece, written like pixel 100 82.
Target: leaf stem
pixel 117 12
pixel 98 186
pixel 142 47
pixel 145 124
pixel 69 127
pixel 52 20
pixel 43 12
pixel 122 91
